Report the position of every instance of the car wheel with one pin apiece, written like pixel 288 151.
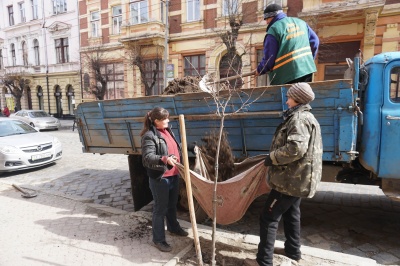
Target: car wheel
pixel 32 124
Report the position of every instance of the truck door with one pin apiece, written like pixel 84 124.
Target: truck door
pixel 389 166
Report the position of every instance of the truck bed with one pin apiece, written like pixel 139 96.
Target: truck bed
pixel 113 126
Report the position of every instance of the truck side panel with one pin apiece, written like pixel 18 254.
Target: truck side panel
pixel 113 126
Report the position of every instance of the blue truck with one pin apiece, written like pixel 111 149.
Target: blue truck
pixel 359 118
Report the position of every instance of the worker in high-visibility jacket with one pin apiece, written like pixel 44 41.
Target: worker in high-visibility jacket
pixel 290 47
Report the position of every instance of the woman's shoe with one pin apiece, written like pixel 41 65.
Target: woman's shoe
pixel 180 232
pixel 163 246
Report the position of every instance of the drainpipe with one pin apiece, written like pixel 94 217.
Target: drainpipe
pixel 166 43
pixel 46 58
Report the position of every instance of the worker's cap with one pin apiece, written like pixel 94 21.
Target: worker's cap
pixel 272 10
pixel 301 92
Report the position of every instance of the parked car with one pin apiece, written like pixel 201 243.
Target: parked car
pixel 38 118
pixel 22 146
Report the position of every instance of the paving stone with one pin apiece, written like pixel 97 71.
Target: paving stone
pixel 386 259
pixel 367 247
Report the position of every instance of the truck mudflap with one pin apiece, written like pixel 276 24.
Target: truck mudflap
pixel 139 182
pixel 391 188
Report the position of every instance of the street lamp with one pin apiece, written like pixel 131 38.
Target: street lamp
pixel 46 59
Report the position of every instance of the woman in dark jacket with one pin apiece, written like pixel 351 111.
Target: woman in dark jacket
pixel 160 153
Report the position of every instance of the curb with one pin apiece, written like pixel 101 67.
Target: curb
pixel 251 242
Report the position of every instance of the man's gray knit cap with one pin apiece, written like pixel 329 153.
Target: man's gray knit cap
pixel 301 92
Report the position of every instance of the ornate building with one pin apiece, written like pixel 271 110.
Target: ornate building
pixel 40 44
pixel 129 47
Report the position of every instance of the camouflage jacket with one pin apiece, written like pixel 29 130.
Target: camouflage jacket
pixel 296 154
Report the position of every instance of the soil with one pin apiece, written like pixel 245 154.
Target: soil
pixel 209 143
pixel 183 85
pixel 226 159
pixel 225 254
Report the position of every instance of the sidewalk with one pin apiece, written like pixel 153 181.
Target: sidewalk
pixel 66 123
pixel 52 229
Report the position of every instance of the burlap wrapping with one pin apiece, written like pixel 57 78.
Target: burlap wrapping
pixel 234 195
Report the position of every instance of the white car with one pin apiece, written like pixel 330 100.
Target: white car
pixel 22 146
pixel 38 118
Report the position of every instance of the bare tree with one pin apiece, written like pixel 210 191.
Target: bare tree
pixel 232 62
pixel 94 61
pixel 235 11
pixel 15 84
pixel 137 55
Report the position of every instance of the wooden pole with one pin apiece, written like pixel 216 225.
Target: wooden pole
pixel 189 189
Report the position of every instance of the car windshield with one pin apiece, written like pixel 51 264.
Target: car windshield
pixel 14 127
pixel 38 114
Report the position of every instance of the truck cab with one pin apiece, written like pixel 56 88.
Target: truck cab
pixel 379 130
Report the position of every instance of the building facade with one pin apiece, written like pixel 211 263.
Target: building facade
pixel 191 41
pixel 346 28
pixel 40 43
pixel 130 47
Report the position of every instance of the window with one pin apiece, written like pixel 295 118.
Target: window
pixel 59 6
pixel 342 50
pixel 117 19
pixel 62 50
pixel 229 7
pixel 13 58
pixel 193 10
pixel 1 58
pixel 162 10
pixel 22 11
pixel 150 68
pixel 335 71
pixel 268 2
pixel 115 80
pixel 10 15
pixel 395 85
pixel 195 65
pixel 35 9
pixel 24 54
pixel 36 51
pixel 95 23
pixel 139 12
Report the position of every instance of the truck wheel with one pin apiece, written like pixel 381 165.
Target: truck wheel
pixel 201 215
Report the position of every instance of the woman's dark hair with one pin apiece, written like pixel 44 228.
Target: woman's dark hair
pixel 157 113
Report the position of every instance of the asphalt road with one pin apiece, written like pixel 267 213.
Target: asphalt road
pixel 357 220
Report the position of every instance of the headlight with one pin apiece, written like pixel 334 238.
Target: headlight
pixel 7 149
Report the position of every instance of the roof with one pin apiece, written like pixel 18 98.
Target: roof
pixel 383 58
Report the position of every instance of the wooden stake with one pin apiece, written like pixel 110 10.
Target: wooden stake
pixel 189 189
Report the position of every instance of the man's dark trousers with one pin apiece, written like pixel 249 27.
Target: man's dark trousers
pixel 279 206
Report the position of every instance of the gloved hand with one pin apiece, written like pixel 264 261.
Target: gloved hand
pixel 268 161
pixel 191 147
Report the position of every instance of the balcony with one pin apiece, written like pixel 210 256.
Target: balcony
pixel 142 32
pixel 53 68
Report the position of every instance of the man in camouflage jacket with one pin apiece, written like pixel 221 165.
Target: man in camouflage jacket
pixel 295 165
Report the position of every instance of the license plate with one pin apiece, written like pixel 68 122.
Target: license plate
pixel 40 156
